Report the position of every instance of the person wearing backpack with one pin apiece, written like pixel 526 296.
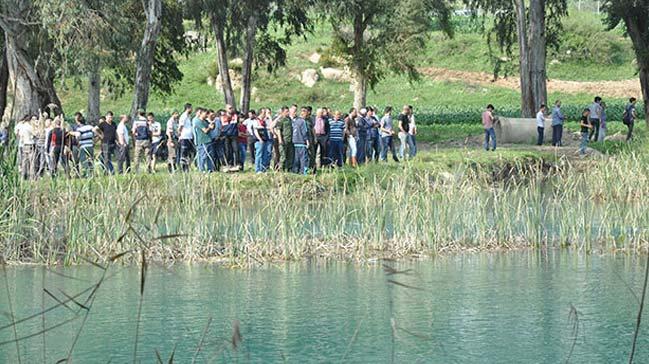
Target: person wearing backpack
pixel 142 135
pixel 629 117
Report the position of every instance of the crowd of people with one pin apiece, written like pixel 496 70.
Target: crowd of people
pixel 292 140
pixel 592 123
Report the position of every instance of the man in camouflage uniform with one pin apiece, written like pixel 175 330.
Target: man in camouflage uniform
pixel 284 131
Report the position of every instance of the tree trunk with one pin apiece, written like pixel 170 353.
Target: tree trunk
pixel 94 89
pixel 527 103
pixel 153 11
pixel 638 34
pixel 358 67
pixel 4 79
pixel 24 78
pixel 246 74
pixel 222 60
pixel 360 90
pixel 644 86
pixel 537 54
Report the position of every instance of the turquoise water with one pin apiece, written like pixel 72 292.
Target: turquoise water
pixel 472 308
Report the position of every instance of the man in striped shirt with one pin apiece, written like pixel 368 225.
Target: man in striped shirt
pixel 336 138
pixel 85 135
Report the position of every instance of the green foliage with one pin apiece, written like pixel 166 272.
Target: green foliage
pixel 589 42
pixel 365 31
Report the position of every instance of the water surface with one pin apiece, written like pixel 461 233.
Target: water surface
pixel 472 308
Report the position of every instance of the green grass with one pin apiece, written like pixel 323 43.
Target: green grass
pixel 451 199
pixel 467 51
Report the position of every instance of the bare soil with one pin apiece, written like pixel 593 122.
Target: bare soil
pixel 612 89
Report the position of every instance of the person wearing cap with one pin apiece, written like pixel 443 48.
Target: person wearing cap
pixel 173 152
pixel 142 135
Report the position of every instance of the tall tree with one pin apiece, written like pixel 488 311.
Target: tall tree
pixel 366 30
pixel 254 26
pixel 27 51
pixel 4 76
pixel 270 27
pixel 533 27
pixel 635 17
pixel 218 12
pixel 146 53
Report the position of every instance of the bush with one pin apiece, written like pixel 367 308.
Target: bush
pixel 588 41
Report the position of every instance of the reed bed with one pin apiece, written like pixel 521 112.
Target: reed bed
pixel 406 210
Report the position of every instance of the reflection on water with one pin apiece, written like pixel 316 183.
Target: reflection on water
pixel 496 308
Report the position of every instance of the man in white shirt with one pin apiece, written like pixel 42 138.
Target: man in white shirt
pixel 156 139
pixel 540 124
pixel 186 139
pixel 123 140
pixel 26 143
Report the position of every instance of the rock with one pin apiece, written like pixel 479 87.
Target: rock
pixel 309 77
pixel 446 177
pixel 192 35
pixel 235 79
pixel 555 62
pixel 315 58
pixel 617 137
pixel 335 74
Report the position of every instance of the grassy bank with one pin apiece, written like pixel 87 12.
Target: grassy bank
pixel 589 53
pixel 445 201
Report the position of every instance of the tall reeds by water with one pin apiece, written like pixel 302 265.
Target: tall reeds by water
pixel 413 209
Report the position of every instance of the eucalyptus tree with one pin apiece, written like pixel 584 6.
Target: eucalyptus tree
pixel 101 42
pixel 634 15
pixel 377 36
pixel 258 27
pixel 28 52
pixel 4 75
pixel 533 26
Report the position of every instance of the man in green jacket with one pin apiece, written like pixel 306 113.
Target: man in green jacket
pixel 284 132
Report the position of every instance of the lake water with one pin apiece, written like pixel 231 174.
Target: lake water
pixel 470 308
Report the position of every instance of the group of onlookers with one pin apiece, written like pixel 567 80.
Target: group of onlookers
pixel 294 139
pixel 592 123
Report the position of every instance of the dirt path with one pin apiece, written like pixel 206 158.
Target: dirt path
pixel 612 89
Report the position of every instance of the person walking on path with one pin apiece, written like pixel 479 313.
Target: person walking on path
pixel 540 125
pixel 27 142
pixel 373 136
pixel 363 127
pixel 55 147
pixel 86 135
pixel 585 128
pixel 602 124
pixel 629 118
pixel 202 139
pixel 557 124
pixel 595 115
pixel 488 125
